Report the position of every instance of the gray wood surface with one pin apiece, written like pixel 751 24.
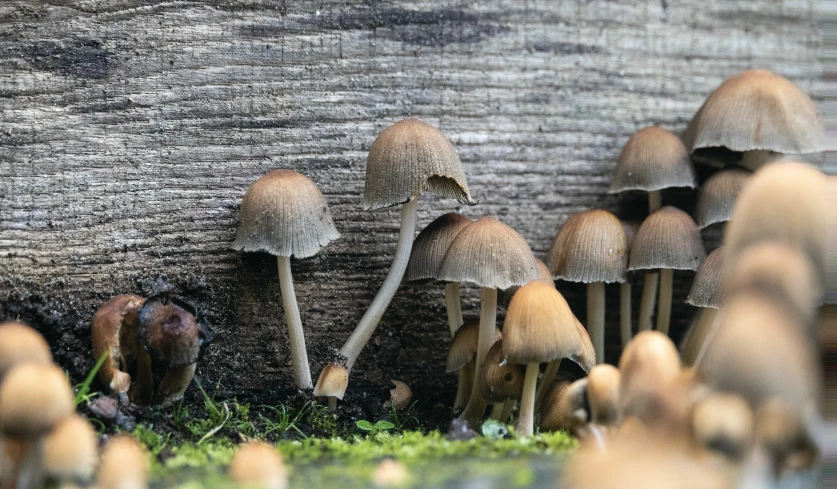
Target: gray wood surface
pixel 131 129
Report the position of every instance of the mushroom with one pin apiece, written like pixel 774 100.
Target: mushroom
pixel 462 358
pixel 543 274
pixel 584 358
pixel 33 399
pixel 565 407
pixel 283 213
pixel 539 327
pixel 114 332
pixel 501 382
pixel 333 381
pixel 21 344
pixel 705 293
pixel 124 465
pixel 668 240
pixel 649 367
pixel 493 256
pixel 71 452
pixel 406 159
pixel 591 248
pixel 753 118
pixel 723 423
pixel 173 338
pixel 603 395
pixel 391 474
pixel 400 395
pixel 717 196
pixel 257 465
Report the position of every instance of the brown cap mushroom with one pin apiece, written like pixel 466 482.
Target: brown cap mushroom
pixel 603 395
pixel 565 406
pixel 499 379
pixel 754 112
pixel 543 274
pixel 400 395
pixel 21 344
pixel 717 195
pixel 723 423
pixel 649 366
pixel 114 332
pixel 71 451
pixel 124 465
pixel 706 288
pixel 464 345
pixel 258 465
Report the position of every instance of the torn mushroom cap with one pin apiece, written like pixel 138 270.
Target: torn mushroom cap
pixel 539 326
pixel 590 247
pixel 707 286
pixel 668 238
pixel 283 213
pixel 565 406
pixel 400 395
pixel 21 344
pixel 124 465
pixel 603 394
pixel 71 451
pixel 33 398
pixel 258 465
pixel 115 331
pixel 499 379
pixel 653 159
pixel 717 195
pixel 543 274
pixel 783 201
pixel 779 272
pixel 489 254
pixel 170 333
pixel 432 243
pixel 332 382
pixel 723 423
pixel 407 158
pixel 756 110
pixel 463 347
pixel 649 366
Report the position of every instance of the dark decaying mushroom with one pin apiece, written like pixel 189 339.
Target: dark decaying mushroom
pixel 501 382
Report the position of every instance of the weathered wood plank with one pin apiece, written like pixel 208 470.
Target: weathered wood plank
pixel 131 129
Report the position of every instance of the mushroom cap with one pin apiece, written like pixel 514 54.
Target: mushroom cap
pixel 586 358
pixel 649 366
pixel 543 274
pixel 124 465
pixel 489 254
pixel 783 201
pixel 590 247
pixel 71 451
pixel 333 381
pixel 500 380
pixel 171 334
pixel 717 195
pixel 21 344
pixel 33 398
pixel 539 326
pixel 283 213
pixel 707 287
pixel 463 346
pixel 258 465
pixel 431 244
pixel 668 238
pixel 757 110
pixel 723 423
pixel 653 159
pixel 603 394
pixel 565 406
pixel 400 395
pixel 407 158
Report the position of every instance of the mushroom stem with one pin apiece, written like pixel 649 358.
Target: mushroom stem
pixel 655 201
pixel 649 298
pixel 29 473
pixel 299 355
pixel 463 390
pixel 332 404
pixel 709 329
pixel 454 307
pixel 664 310
pixel 625 312
pixel 526 421
pixel 475 410
pixel 366 327
pixel 546 381
pixel 496 410
pixel 174 384
pixel 697 335
pixel 507 409
pixel 596 317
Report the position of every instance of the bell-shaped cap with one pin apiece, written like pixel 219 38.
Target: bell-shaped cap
pixel 432 243
pixel 757 110
pixel 408 158
pixel 33 398
pixel 500 379
pixel 653 159
pixel 723 423
pixel 258 465
pixel 539 326
pixel 71 451
pixel 603 394
pixel 590 247
pixel 21 344
pixel 668 238
pixel 543 274
pixel 707 286
pixel 783 201
pixel 463 347
pixel 283 213
pixel 565 406
pixel 491 255
pixel 400 395
pixel 717 195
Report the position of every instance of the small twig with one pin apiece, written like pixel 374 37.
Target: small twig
pixel 217 428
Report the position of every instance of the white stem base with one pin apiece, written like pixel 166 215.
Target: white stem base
pixel 526 421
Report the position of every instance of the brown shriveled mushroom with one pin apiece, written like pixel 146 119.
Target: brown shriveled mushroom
pixel 649 367
pixel 707 294
pixel 283 213
pixel 462 357
pixel 591 248
pixel 723 423
pixel 21 344
pixel 501 382
pixel 114 332
pixel 753 118
pixel 124 465
pixel 71 452
pixel 406 159
pixel 400 395
pixel 257 465
pixel 493 256
pixel 717 196
pixel 668 240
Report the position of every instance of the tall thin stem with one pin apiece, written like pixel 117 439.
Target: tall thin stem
pixel 546 381
pixel 508 406
pixel 299 355
pixel 496 411
pixel 655 201
pixel 475 410
pixel 625 312
pixel 664 310
pixel 596 317
pixel 369 322
pixel 463 390
pixel 454 307
pixel 649 300
pixel 526 421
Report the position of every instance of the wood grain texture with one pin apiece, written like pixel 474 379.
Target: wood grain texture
pixel 130 130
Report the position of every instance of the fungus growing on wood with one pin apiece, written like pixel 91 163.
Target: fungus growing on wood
pixel 462 358
pixel 501 382
pixel 406 159
pixel 753 118
pixel 493 256
pixel 283 213
pixel 723 423
pixel 717 196
pixel 21 344
pixel 71 452
pixel 114 332
pixel 257 465
pixel 124 465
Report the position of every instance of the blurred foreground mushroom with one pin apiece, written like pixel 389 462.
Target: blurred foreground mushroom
pixel 723 423
pixel 21 344
pixel 257 465
pixel 71 452
pixel 124 464
pixel 649 368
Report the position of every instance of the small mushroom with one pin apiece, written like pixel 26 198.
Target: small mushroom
pixel 723 423
pixel 565 406
pixel 668 240
pixel 71 452
pixel 21 344
pixel 591 248
pixel 493 256
pixel 257 465
pixel 649 367
pixel 718 194
pixel 391 474
pixel 501 382
pixel 284 214
pixel 603 395
pixel 124 465
pixel 400 395
pixel 114 331
pixel 332 384
pixel 462 358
